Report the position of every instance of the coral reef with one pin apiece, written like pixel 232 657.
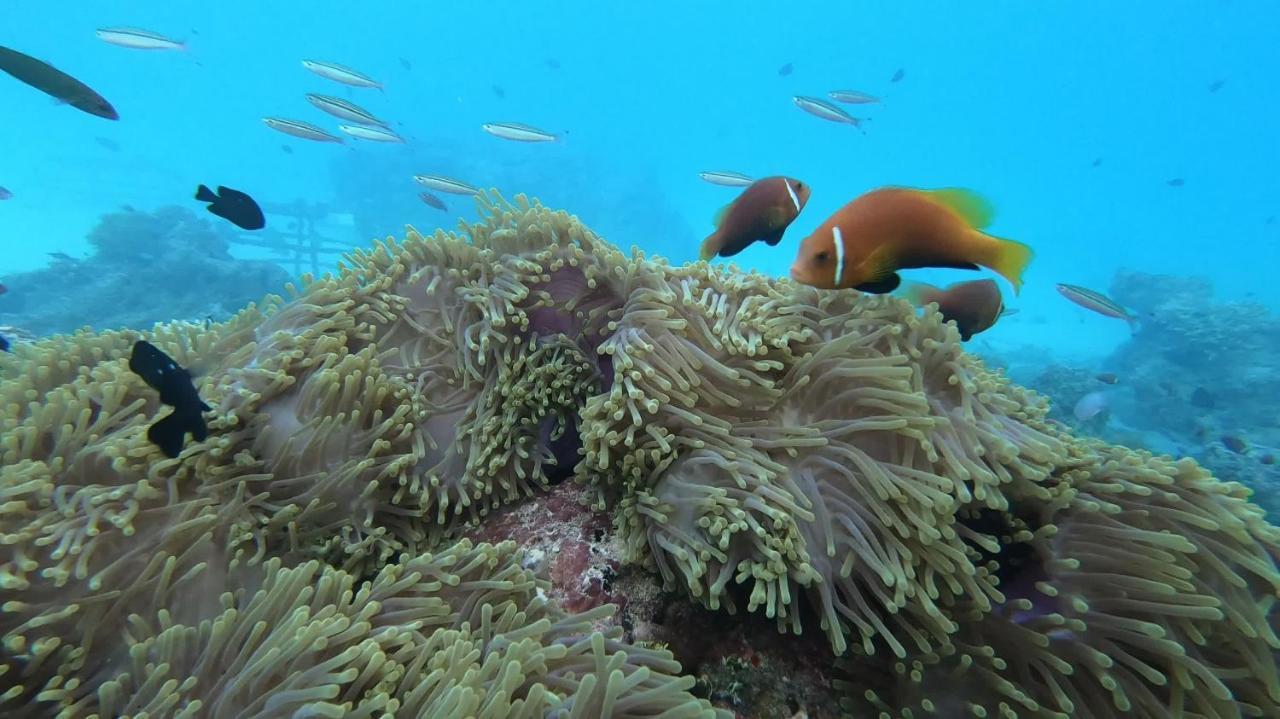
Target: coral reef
pixel 826 462
pixel 146 268
pixel 1190 341
pixel 1189 380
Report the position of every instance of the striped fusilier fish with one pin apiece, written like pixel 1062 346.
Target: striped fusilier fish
pixel 1097 302
pixel 373 134
pixel 338 73
pixel 516 131
pixel 298 128
pixel 726 178
pixel 446 184
pixel 825 110
pixel 344 110
pixel 853 97
pixel 139 39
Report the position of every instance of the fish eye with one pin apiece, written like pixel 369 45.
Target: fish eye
pixel 823 256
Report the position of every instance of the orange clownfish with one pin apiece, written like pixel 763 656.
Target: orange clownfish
pixel 867 241
pixel 762 212
pixel 974 305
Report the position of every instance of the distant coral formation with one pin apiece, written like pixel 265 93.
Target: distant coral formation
pixel 1193 380
pixel 146 268
pixel 826 459
pixel 1191 341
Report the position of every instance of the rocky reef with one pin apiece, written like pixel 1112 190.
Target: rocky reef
pixel 147 267
pixel 1196 379
pixel 513 472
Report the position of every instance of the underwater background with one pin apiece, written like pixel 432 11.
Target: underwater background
pixel 1131 145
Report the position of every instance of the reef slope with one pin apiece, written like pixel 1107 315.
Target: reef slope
pixel 828 460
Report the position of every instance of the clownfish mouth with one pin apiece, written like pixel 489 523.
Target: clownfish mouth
pixel 795 274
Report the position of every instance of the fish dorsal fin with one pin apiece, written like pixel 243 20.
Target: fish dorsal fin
pixel 974 208
pixel 718 218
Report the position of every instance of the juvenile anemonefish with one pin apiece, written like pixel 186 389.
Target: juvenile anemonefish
pixel 974 306
pixel 866 242
pixel 762 212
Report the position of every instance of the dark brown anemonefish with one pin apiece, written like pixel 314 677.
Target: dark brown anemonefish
pixel 866 242
pixel 974 306
pixel 762 212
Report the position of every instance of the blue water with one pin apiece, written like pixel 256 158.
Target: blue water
pixel 1071 117
pixel 1013 99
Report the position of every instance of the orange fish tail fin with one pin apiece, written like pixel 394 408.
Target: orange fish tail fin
pixel 1009 258
pixel 919 293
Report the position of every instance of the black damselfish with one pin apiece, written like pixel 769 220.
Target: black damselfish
pixel 176 390
pixel 233 205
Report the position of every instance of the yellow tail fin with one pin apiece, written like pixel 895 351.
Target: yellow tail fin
pixel 1010 258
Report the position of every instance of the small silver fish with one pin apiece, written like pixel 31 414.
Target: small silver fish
pixel 338 73
pixel 446 184
pixel 298 128
pixel 853 97
pixel 726 178
pixel 825 110
pixel 373 134
pixel 138 39
pixel 344 110
pixel 516 131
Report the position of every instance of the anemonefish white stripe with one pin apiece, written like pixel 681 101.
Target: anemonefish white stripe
pixel 838 240
pixel 791 191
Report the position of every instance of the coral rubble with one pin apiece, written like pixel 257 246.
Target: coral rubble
pixel 826 460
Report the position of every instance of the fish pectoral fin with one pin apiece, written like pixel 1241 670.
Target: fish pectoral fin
pixel 883 276
pixel 881 285
pixel 774 238
pixel 974 208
